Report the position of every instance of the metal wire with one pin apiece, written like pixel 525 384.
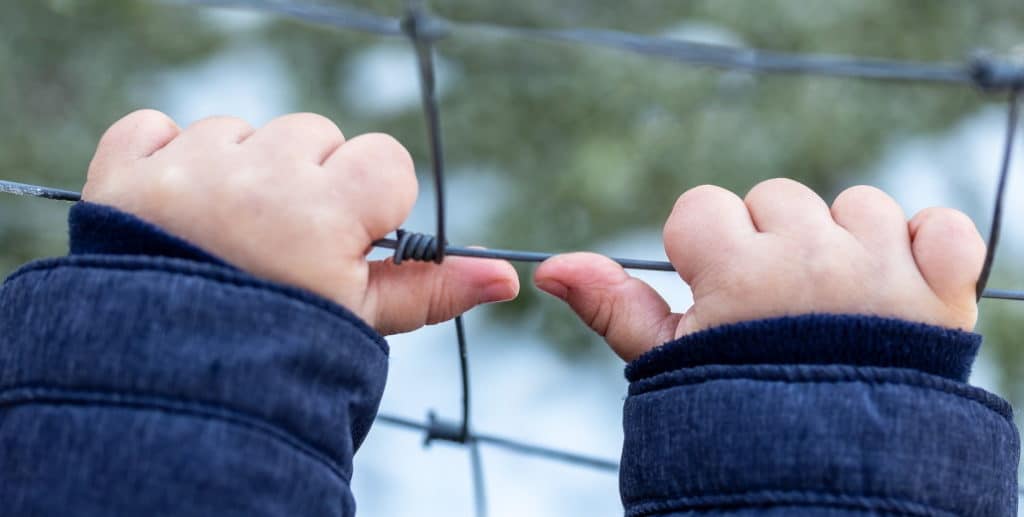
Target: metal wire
pixel 422 28
pixel 982 71
pixel 24 189
pixel 413 25
pixel 476 465
pixel 334 16
pixel 997 210
pixel 406 252
pixel 435 428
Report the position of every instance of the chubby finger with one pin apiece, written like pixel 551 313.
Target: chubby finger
pixel 706 224
pixel 135 136
pixel 949 252
pixel 873 217
pixel 631 316
pixel 405 297
pixel 215 130
pixel 374 177
pixel 786 207
pixel 306 137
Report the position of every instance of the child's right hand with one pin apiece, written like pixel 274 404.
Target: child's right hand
pixel 782 251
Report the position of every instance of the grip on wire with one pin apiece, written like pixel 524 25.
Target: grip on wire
pixel 416 246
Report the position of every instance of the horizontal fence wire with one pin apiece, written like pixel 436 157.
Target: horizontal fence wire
pixel 463 251
pixel 422 28
pixel 983 70
pixel 435 429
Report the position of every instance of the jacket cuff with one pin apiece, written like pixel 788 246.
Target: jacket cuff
pixel 192 339
pixel 187 333
pixel 848 339
pixel 816 412
pixel 95 229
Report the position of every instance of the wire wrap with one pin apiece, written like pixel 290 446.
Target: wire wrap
pixel 416 246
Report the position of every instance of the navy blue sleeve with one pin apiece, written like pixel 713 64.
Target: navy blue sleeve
pixel 142 376
pixel 835 415
pixel 145 376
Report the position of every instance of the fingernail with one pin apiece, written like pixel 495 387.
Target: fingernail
pixel 496 292
pixel 554 288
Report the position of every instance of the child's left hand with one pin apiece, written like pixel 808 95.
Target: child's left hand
pixel 291 202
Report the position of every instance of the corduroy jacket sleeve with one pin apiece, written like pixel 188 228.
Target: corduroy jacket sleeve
pixel 140 376
pixel 834 415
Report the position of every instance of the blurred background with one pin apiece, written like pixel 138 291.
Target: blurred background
pixel 552 147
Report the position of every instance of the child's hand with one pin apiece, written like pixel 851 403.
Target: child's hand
pixel 291 202
pixel 781 251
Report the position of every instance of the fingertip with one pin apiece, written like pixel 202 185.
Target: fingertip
pixel 506 287
pixel 499 291
pixel 494 280
pixel 377 176
pixel 949 251
pixel 391 147
pixel 219 129
pixel 873 217
pixel 137 135
pixel 707 222
pixel 628 313
pixel 560 273
pixel 786 206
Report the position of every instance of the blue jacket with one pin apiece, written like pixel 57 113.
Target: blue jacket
pixel 142 376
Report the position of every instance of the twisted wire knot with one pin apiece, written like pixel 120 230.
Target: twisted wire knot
pixel 444 430
pixel 416 246
pixel 991 74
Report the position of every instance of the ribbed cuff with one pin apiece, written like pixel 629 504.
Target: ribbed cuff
pixel 840 339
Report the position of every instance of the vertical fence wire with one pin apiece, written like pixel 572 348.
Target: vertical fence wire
pixel 996 226
pixel 413 25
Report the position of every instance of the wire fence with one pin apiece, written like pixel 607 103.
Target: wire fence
pixel 422 28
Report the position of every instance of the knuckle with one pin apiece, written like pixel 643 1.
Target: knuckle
pixel 956 218
pixel 862 197
pixel 390 147
pixel 952 222
pixel 379 157
pixel 134 123
pixel 696 201
pixel 218 123
pixel 775 186
pixel 963 228
pixel 865 201
pixel 781 199
pixel 148 118
pixel 700 195
pixel 441 304
pixel 777 189
pixel 859 194
pixel 600 318
pixel 309 122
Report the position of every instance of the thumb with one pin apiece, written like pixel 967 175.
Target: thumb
pixel 405 297
pixel 631 316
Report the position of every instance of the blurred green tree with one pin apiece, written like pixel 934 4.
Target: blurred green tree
pixel 593 143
